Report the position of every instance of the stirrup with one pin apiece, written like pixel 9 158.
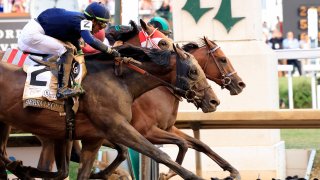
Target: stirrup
pixel 78 87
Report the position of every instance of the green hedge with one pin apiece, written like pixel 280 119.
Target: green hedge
pixel 301 91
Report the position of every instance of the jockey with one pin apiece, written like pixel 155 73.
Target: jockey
pixel 160 23
pixel 87 49
pixel 46 34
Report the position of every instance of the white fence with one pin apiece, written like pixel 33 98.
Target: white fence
pixel 311 68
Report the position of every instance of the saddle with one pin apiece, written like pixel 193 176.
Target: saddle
pixel 41 82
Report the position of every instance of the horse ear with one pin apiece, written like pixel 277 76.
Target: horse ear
pixel 206 41
pixel 174 48
pixel 143 25
pixel 179 51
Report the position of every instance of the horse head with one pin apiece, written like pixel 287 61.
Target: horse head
pixel 191 78
pixel 144 36
pixel 154 37
pixel 178 68
pixel 216 66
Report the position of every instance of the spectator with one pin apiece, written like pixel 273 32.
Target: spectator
pixel 292 43
pixel 279 25
pixel 17 6
pixel 109 4
pixel 146 9
pixel 304 41
pixel 1 6
pixel 265 31
pixel 165 11
pixel 276 40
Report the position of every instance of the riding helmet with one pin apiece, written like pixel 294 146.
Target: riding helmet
pixel 98 11
pixel 160 23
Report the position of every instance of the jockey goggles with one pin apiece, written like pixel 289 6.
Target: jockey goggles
pixel 103 22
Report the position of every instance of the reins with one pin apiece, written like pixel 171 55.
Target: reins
pixel 188 94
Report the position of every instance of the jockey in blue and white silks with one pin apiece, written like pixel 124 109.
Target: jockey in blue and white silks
pixel 44 34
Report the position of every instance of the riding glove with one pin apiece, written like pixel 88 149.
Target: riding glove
pixel 113 52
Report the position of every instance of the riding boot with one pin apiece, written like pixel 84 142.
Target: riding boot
pixel 63 90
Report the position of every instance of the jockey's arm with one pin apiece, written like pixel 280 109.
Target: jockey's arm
pixel 94 42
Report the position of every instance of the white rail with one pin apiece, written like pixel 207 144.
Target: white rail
pixel 301 54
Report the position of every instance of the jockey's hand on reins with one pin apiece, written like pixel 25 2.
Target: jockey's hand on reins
pixel 127 60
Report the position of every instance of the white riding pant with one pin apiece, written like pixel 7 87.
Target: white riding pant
pixel 33 39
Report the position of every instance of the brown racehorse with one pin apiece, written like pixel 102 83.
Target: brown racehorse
pixel 108 102
pixel 157 125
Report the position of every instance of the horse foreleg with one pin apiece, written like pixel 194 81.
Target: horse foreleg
pixel 120 131
pixel 201 147
pixel 46 159
pixel 88 154
pixel 159 136
pixel 121 156
pixel 62 151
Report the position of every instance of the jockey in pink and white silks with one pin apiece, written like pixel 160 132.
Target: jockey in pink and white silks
pixel 45 34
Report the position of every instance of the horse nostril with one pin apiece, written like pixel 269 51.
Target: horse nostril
pixel 215 102
pixel 242 84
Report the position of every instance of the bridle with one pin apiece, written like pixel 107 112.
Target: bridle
pixel 190 95
pixel 225 77
pixel 178 90
pixel 149 38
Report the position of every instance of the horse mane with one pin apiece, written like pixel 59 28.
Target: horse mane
pixel 190 46
pixel 122 32
pixel 194 45
pixel 158 56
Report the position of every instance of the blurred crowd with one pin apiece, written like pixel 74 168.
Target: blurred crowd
pixel 151 8
pixel 14 6
pixel 275 38
pixel 147 8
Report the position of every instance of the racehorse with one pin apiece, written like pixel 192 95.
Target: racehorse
pixel 108 102
pixel 157 124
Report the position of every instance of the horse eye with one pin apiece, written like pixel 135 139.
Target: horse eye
pixel 223 60
pixel 163 43
pixel 193 74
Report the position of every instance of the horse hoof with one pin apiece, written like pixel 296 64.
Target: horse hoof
pixel 12 166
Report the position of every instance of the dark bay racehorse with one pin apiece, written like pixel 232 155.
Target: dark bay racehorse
pixel 107 104
pixel 157 124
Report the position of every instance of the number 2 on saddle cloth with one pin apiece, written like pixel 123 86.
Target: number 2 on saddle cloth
pixel 41 82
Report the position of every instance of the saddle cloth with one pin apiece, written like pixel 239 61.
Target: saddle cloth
pixel 17 57
pixel 41 84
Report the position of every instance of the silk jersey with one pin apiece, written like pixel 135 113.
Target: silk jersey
pixel 66 26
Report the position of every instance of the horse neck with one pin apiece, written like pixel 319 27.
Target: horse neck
pixel 131 81
pixel 134 41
